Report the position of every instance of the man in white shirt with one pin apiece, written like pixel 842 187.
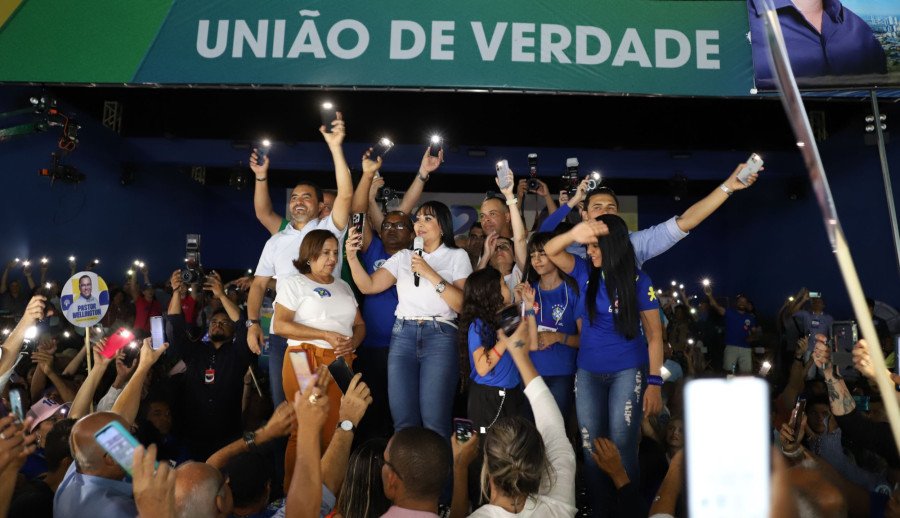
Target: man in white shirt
pixel 283 248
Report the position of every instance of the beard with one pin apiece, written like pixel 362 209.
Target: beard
pixel 219 337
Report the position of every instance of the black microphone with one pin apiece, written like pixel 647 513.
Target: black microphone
pixel 418 245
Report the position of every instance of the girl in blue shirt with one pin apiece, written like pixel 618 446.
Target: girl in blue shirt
pixel 618 378
pixel 495 390
pixel 558 329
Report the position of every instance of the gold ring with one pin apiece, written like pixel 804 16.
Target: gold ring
pixel 313 399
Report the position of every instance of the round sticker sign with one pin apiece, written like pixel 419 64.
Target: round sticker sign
pixel 84 299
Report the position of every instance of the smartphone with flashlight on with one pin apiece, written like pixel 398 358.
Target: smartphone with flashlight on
pixel 436 146
pixel 119 443
pixel 157 332
pixel 753 165
pixel 381 149
pixel 329 114
pixel 739 486
pixel 118 340
pixel 262 150
pixel 502 172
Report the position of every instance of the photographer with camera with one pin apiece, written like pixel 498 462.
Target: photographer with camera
pixel 215 368
pixel 280 251
pixel 651 242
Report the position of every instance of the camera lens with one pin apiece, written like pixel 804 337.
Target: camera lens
pixel 592 184
pixel 533 184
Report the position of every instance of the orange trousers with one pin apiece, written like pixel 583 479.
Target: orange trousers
pixel 318 356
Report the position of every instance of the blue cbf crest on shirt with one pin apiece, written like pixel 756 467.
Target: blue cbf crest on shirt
pixel 558 312
pixel 322 292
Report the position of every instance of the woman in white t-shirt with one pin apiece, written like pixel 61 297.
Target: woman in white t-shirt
pixel 318 315
pixel 423 364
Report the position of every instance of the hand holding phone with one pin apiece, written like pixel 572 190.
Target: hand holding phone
pixel 302 369
pixel 341 373
pixel 121 338
pixel 119 443
pixel 502 172
pixel 15 403
pixel 329 114
pixel 157 332
pixel 464 429
pixel 753 165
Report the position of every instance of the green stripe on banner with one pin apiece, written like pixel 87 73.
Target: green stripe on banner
pixel 96 41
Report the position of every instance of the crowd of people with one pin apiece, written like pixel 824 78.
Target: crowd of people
pixel 376 364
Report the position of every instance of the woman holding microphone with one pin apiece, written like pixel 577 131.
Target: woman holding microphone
pixel 423 365
pixel 318 315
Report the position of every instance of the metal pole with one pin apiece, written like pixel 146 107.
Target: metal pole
pixel 886 176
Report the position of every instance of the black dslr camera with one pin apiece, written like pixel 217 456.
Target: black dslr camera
pixel 385 195
pixel 193 270
pixel 570 177
pixel 533 184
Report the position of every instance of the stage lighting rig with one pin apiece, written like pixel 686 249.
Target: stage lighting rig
pixel 61 172
pixel 45 115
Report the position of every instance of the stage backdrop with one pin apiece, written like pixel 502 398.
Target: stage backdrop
pixel 671 47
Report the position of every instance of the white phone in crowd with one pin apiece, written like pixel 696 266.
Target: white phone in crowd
pixel 502 171
pixel 753 165
pixel 303 371
pixel 727 444
pixel 157 332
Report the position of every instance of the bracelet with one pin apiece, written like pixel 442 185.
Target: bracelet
pixel 794 454
pixel 499 354
pixel 726 189
pixel 512 201
pixel 655 380
pixel 529 312
pixel 263 179
pixel 421 177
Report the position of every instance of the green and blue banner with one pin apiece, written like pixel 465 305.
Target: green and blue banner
pixel 667 47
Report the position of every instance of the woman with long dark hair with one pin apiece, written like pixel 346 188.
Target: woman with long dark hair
pixel 362 494
pixel 495 390
pixel 556 348
pixel 422 363
pixel 618 378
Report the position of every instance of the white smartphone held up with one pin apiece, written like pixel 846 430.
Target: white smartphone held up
pixel 727 416
pixel 157 332
pixel 753 165
pixel 502 172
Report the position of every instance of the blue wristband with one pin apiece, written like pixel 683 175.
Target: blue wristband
pixel 529 312
pixel 655 380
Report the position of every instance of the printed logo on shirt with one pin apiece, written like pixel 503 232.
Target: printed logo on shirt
pixel 322 292
pixel 651 293
pixel 557 312
pixel 814 323
pixel 378 264
pixel 747 325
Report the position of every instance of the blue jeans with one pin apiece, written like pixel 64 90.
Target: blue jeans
pixel 563 390
pixel 277 348
pixel 609 405
pixel 423 368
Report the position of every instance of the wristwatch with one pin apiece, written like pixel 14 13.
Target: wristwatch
pixel 250 439
pixel 423 177
pixel 346 426
pixel 727 190
pixel 251 322
pixel 440 287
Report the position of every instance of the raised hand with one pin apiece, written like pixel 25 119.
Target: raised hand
pixel 338 132
pixel 214 284
pixel 355 402
pixel 260 170
pixel 430 163
pixel 369 166
pixel 736 185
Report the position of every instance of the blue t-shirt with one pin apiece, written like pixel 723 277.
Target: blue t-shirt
pixel 556 310
pixel 737 327
pixel 846 44
pixel 504 374
pixel 378 309
pixel 604 350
